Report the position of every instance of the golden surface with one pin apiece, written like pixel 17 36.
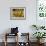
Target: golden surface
pixel 18 13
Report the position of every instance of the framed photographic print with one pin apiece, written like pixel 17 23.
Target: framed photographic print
pixel 41 8
pixel 17 13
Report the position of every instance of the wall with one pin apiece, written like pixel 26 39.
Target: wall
pixel 24 25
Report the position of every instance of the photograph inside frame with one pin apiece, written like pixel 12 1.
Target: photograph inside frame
pixel 17 13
